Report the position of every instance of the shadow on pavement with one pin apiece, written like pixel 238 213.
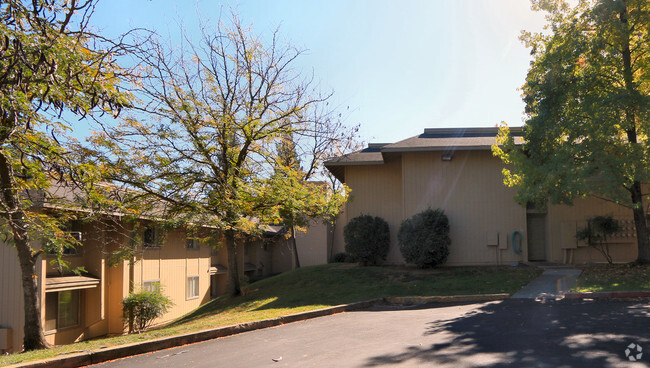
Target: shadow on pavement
pixel 526 333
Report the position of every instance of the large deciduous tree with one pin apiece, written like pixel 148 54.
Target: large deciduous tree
pixel 587 105
pixel 49 65
pixel 299 160
pixel 212 139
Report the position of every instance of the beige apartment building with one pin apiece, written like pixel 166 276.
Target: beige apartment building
pixel 454 169
pixel 191 273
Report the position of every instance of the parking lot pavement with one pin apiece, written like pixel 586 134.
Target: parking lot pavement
pixel 514 332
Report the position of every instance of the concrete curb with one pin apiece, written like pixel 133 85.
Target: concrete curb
pixel 122 351
pixel 608 295
pixel 445 299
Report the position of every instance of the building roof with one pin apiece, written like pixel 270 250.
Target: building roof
pixel 436 139
pixel 368 156
pixel 451 139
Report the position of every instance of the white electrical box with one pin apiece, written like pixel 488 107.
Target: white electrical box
pixel 503 241
pixel 568 230
pixel 492 238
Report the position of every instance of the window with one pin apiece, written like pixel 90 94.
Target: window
pixel 151 237
pixel 67 250
pixel 74 238
pixel 192 287
pixel 151 286
pixel 61 309
pixel 73 250
pixel 193 243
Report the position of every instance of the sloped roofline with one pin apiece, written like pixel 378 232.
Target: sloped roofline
pixel 456 139
pixel 432 139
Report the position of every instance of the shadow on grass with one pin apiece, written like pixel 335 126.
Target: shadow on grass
pixel 528 333
pixel 617 277
pixel 336 284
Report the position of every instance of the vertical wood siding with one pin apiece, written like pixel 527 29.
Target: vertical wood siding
pixel 11 296
pixel 470 190
pixel 312 244
pixel 623 247
pixel 376 190
pixel 172 264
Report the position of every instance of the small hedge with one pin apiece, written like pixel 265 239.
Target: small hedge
pixel 367 239
pixel 341 258
pixel 424 238
pixel 142 308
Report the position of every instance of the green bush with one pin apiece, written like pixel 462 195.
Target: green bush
pixel 367 239
pixel 142 308
pixel 424 238
pixel 597 232
pixel 339 258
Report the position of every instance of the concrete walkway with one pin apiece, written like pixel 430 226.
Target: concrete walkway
pixel 552 284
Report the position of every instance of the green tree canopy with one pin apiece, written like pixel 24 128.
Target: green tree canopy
pixel 50 65
pixel 587 96
pixel 226 122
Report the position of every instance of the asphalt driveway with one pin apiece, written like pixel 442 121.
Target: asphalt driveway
pixel 514 332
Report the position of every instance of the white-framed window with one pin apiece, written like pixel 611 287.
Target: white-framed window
pixel 62 309
pixel 151 237
pixel 151 285
pixel 192 287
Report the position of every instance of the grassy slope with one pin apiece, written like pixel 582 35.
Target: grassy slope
pixel 317 287
pixel 321 286
pixel 614 278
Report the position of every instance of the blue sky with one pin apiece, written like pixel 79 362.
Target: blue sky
pixel 395 67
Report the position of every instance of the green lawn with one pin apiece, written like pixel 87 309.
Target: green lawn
pixel 311 288
pixel 619 277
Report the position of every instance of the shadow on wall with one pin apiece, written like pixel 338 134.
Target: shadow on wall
pixel 524 333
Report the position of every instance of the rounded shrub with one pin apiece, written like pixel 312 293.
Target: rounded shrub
pixel 424 238
pixel 142 308
pixel 367 239
pixel 341 258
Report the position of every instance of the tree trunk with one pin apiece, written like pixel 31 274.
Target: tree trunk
pixel 234 284
pixel 295 247
pixel 640 224
pixel 331 232
pixel 34 337
pixel 631 130
pixel 15 217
